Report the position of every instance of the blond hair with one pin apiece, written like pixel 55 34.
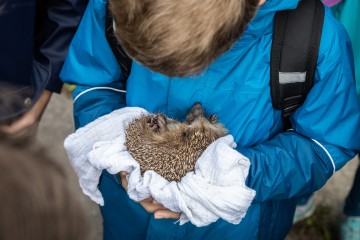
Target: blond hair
pixel 179 37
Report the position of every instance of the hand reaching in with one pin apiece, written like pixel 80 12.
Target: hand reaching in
pixel 25 125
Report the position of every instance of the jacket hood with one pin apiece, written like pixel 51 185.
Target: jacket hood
pixel 263 20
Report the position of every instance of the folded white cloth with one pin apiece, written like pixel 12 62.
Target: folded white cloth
pixel 215 189
pixel 80 143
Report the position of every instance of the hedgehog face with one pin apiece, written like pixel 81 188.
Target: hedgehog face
pixel 195 121
pixel 204 128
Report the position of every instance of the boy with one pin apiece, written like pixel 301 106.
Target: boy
pixel 180 38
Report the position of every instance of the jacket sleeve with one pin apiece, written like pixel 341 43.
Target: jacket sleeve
pixel 55 26
pixel 92 67
pixel 326 128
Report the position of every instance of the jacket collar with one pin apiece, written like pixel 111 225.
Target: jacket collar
pixel 263 21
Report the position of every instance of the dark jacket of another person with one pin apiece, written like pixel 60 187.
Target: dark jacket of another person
pixel 34 40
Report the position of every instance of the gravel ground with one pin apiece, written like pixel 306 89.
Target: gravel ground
pixel 57 124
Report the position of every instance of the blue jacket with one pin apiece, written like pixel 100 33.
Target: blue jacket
pixel 284 165
pixel 34 40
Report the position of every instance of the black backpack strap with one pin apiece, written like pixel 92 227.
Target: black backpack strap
pixel 122 58
pixel 294 53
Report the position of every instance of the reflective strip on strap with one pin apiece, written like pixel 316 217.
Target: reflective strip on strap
pixel 291 77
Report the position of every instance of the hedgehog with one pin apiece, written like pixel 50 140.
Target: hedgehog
pixel 170 147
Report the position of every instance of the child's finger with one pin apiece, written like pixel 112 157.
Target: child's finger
pixel 149 206
pixel 166 213
pixel 124 182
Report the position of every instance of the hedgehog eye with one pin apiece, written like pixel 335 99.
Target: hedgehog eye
pixel 184 134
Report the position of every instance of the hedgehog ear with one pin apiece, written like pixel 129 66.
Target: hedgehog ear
pixel 213 118
pixel 184 134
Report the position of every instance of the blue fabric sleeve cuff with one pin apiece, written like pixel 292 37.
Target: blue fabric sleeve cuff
pixel 95 104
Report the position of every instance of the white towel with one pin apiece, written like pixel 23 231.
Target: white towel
pixel 80 143
pixel 215 189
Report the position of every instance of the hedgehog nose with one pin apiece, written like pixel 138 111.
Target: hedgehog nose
pixel 197 110
pixel 197 105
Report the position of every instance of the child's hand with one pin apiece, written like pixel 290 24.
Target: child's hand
pixel 152 206
pixel 28 122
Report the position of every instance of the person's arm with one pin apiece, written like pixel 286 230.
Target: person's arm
pixel 326 129
pixel 291 165
pixel 92 67
pixel 55 25
pixel 24 125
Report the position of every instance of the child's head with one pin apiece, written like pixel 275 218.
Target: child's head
pixel 180 37
pixel 37 201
